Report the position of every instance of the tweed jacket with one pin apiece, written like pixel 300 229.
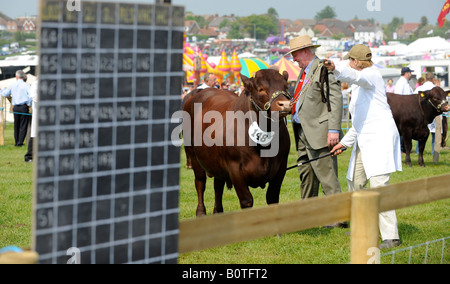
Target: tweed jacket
pixel 314 117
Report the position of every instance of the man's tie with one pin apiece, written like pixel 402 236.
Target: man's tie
pixel 297 92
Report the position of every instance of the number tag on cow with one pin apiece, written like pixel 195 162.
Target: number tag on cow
pixel 258 136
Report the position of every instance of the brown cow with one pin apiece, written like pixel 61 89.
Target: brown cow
pixel 225 151
pixel 413 113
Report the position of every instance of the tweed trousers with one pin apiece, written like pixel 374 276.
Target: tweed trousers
pixel 320 172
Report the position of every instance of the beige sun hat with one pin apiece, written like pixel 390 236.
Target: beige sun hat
pixel 300 43
pixel 360 52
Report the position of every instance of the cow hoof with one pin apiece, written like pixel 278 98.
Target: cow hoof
pixel 200 212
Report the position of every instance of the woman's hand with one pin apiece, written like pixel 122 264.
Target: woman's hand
pixel 338 149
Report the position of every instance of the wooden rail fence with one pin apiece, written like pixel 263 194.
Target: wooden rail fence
pixel 361 208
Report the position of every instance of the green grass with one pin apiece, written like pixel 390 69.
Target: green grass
pixel 417 224
pixel 15 194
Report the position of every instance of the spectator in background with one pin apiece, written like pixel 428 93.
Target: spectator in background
pixel 209 81
pixel 19 92
pixel 34 119
pixel 420 82
pixel 403 87
pixel 390 86
pixel 240 90
pixel 224 86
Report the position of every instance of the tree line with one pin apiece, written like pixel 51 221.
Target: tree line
pixel 262 26
pixel 253 26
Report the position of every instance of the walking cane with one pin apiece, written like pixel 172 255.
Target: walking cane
pixel 309 161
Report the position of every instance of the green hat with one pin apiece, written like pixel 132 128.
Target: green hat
pixel 360 52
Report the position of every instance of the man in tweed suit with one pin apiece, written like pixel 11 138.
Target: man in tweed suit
pixel 316 130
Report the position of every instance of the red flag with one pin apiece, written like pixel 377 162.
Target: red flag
pixel 444 12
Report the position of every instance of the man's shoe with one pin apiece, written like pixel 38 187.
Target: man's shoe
pixel 386 244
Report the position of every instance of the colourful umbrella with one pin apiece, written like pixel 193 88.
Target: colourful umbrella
pixel 251 65
pixel 285 65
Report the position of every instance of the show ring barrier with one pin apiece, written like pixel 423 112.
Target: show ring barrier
pixel 361 208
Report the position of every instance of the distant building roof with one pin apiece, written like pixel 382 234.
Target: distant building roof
pixel 209 32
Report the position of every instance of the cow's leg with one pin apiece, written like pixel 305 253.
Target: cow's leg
pixel 244 195
pixel 422 144
pixel 241 187
pixel 408 145
pixel 200 186
pixel 218 193
pixel 273 192
pixel 200 180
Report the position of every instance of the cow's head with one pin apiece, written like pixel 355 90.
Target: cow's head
pixel 268 91
pixel 437 98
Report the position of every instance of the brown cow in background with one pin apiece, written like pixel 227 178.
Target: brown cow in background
pixel 240 164
pixel 413 113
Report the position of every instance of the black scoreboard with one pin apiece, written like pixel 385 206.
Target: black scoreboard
pixel 107 174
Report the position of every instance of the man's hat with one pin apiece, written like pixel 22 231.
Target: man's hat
pixel 360 52
pixel 405 70
pixel 300 43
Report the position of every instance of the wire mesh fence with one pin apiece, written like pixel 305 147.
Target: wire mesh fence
pixel 432 252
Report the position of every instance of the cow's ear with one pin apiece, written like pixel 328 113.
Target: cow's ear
pixel 286 75
pixel 248 83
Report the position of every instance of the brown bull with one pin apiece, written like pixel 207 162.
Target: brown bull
pixel 218 143
pixel 413 113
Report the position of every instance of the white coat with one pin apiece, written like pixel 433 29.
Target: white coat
pixel 373 126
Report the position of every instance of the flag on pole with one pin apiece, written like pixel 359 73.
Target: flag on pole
pixel 444 12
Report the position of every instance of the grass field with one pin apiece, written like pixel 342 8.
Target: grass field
pixel 417 224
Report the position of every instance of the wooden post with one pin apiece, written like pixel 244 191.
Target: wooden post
pixel 438 139
pixel 364 227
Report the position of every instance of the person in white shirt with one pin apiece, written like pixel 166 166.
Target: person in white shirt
pixel 373 135
pixel 34 120
pixel 402 87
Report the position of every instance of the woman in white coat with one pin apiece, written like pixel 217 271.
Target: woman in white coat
pixel 373 135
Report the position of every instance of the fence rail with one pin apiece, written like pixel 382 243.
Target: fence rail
pixel 248 224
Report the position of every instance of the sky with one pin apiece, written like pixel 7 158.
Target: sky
pixel 382 11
